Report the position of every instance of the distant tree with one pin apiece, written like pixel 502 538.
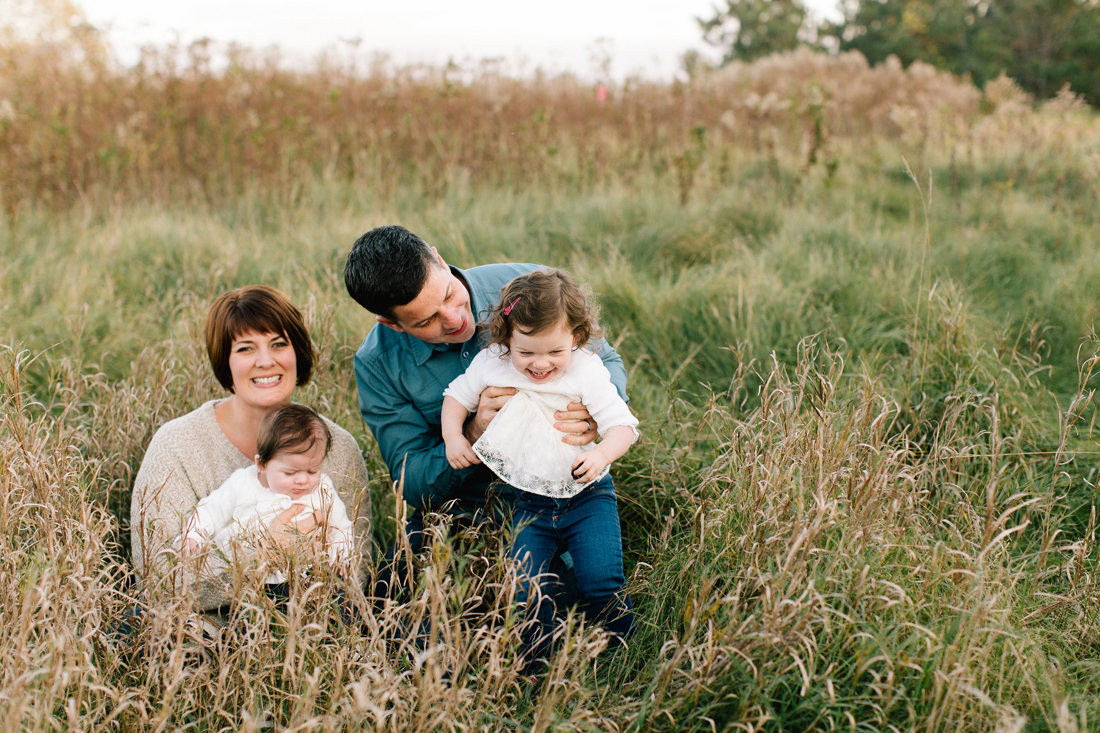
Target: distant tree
pixel 938 32
pixel 1042 44
pixel 749 29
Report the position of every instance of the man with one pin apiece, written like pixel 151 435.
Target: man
pixel 428 336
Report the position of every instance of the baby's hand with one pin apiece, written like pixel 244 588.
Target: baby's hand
pixel 460 454
pixel 190 546
pixel 307 521
pixel 589 465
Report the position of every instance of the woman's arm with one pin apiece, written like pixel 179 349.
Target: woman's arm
pixel 339 537
pixel 160 503
pixel 348 472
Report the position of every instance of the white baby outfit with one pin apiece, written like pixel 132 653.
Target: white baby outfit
pixel 237 514
pixel 521 445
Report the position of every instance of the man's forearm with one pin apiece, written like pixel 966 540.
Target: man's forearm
pixel 428 481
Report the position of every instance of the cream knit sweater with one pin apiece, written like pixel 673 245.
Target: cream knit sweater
pixel 187 459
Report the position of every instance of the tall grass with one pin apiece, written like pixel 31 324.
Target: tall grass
pixel 857 310
pixel 203 123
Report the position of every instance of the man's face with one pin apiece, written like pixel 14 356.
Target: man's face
pixel 441 314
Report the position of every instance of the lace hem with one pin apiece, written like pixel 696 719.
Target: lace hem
pixel 529 482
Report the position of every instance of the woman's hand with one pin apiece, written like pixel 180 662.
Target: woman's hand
pixel 577 424
pixel 492 399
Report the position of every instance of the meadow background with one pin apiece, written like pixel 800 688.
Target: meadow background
pixel 856 305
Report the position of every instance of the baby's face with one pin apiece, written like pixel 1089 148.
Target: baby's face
pixel 542 356
pixel 294 474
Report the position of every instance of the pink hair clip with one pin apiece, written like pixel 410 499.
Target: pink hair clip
pixel 508 309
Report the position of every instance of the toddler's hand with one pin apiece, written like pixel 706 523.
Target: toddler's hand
pixel 589 465
pixel 460 454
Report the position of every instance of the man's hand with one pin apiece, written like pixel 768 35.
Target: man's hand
pixel 460 453
pixel 577 424
pixel 492 399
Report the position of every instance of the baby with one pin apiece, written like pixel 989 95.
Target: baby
pixel 243 512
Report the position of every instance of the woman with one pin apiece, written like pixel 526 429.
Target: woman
pixel 260 351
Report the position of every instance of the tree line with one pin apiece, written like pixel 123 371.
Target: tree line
pixel 1042 44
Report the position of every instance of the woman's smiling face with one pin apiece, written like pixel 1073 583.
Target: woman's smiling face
pixel 264 369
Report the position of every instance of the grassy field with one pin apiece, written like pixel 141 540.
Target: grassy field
pixel 859 337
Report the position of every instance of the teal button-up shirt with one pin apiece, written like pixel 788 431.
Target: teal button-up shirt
pixel 400 380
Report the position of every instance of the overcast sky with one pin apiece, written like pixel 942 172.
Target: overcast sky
pixel 646 36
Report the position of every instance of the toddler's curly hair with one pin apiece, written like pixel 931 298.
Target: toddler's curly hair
pixel 539 300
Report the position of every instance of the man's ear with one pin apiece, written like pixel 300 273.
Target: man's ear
pixel 389 324
pixel 439 257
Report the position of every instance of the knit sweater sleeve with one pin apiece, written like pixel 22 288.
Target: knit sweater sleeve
pixel 164 494
pixel 187 459
pixel 348 471
pixel 339 532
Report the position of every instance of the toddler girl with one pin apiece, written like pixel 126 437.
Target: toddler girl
pixel 537 339
pixel 292 443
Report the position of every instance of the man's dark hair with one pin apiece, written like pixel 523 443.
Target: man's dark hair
pixel 387 267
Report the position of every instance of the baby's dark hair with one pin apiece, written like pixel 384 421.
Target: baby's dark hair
pixel 540 300
pixel 291 429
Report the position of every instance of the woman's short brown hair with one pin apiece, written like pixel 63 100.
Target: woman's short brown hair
pixel 540 300
pixel 255 309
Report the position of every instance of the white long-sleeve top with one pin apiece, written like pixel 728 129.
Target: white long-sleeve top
pixel 238 513
pixel 521 445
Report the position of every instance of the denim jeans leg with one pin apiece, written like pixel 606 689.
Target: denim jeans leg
pixel 534 544
pixel 395 573
pixel 590 526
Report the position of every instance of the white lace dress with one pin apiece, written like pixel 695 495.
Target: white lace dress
pixel 521 445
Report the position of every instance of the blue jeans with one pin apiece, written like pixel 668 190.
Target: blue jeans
pixel 588 526
pixel 394 578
